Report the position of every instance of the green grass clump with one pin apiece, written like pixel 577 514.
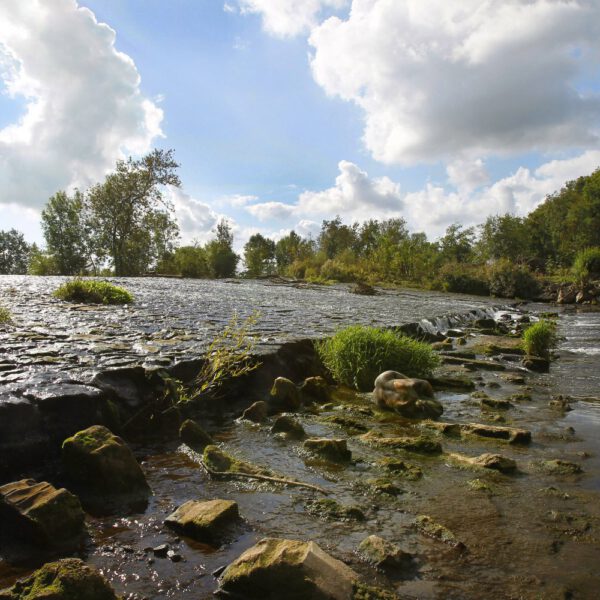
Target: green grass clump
pixel 355 356
pixel 586 265
pixel 540 338
pixel 5 316
pixel 90 291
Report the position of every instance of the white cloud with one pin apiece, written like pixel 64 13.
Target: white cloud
pixel 236 200
pixel 196 219
pixel 84 108
pixel 285 18
pixel 467 175
pixel 438 79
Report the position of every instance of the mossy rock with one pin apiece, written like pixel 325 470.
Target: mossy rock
pixel 383 554
pixel 102 464
pixel 382 486
pixel 67 579
pixel 330 510
pixel 39 514
pixel 334 450
pixel 284 395
pixel 194 436
pixel 426 525
pixel 288 427
pixel 479 485
pixel 352 425
pixel 401 468
pixel 315 389
pixel 204 520
pixel 418 445
pixel 367 592
pixel 559 467
pixel 219 461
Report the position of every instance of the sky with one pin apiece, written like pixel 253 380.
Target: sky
pixel 283 113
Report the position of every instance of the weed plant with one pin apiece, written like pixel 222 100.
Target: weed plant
pixel 91 291
pixel 355 356
pixel 5 316
pixel 540 338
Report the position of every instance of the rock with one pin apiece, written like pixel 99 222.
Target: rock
pixel 566 294
pixel 426 525
pixel 67 579
pixel 352 425
pixel 412 398
pixel 401 468
pixel 288 426
pixel 257 412
pixel 203 521
pixel 495 404
pixel 473 365
pixel 496 462
pixel 559 467
pixel 219 461
pixel 420 444
pixel 284 396
pixel 511 434
pixel 485 323
pixel 444 428
pixel 536 363
pixel 363 289
pixel 161 551
pixel 315 389
pixel 41 515
pixel 382 486
pixel 459 384
pixel 130 386
pixel 294 570
pixel 383 554
pixel 330 510
pixel 334 450
pixel 191 434
pixel 103 465
pixel 455 333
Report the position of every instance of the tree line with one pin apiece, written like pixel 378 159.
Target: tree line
pixel 125 226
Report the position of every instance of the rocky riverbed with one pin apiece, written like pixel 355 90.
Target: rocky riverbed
pixel 521 522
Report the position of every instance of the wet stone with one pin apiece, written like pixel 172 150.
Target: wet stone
pixel 497 462
pixel 289 427
pixel 330 449
pixel 203 521
pixel 315 389
pixel 383 554
pixel 419 445
pixel 426 525
pixel 256 412
pixel 194 436
pixel 284 395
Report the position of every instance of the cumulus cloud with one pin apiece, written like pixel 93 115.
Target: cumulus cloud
pixel 438 79
pixel 286 18
pixel 196 218
pixel 83 104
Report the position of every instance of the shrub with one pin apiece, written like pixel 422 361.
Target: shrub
pixel 90 291
pixel 586 265
pixel 5 316
pixel 458 278
pixel 508 280
pixel 355 356
pixel 540 338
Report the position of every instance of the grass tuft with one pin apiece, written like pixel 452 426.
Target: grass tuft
pixel 355 356
pixel 540 338
pixel 5 316
pixel 91 291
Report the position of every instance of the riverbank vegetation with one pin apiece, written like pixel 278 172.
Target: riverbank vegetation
pixel 91 291
pixel 126 226
pixel 5 316
pixel 540 338
pixel 356 355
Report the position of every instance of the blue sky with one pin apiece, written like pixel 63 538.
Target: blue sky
pixel 286 112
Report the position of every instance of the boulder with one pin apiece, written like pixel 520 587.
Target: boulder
pixel 412 398
pixel 129 386
pixel 67 579
pixel 284 396
pixel 257 412
pixel 420 444
pixel 383 554
pixel 191 434
pixel 512 435
pixel 328 509
pixel 103 465
pixel 203 521
pixel 294 570
pixel 37 513
pixel 334 450
pixel 315 389
pixel 536 363
pixel 496 462
pixel 566 294
pixel 495 404
pixel 289 427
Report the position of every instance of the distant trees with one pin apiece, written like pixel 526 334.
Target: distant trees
pixel 222 260
pixel 14 253
pixel 259 256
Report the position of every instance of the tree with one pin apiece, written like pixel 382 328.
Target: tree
pixel 41 263
pixel 504 236
pixel 222 260
pixel 457 243
pixel 335 237
pixel 259 256
pixel 65 232
pixel 130 219
pixel 291 248
pixel 14 253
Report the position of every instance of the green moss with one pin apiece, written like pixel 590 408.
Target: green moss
pixel 478 485
pixel 330 510
pixel 366 592
pixel 429 527
pixel 419 445
pixel 348 423
pixel 401 468
pixel 5 316
pixel 218 460
pixel 91 291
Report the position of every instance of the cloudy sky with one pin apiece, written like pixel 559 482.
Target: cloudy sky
pixel 286 112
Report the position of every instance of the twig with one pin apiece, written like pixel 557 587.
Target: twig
pixel 309 486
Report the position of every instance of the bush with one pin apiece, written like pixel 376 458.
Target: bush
pixel 355 356
pixel 540 338
pixel 90 291
pixel 508 280
pixel 5 316
pixel 461 279
pixel 586 265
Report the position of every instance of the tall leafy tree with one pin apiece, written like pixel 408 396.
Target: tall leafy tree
pixel 259 256
pixel 222 260
pixel 66 233
pixel 14 253
pixel 129 216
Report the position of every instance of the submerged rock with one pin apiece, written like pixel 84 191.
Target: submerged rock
pixel 203 521
pixel 383 554
pixel 458 384
pixel 420 444
pixel 330 510
pixel 536 363
pixel 67 579
pixel 331 449
pixel 315 389
pixel 426 525
pixel 401 468
pixel 412 398
pixel 511 434
pixel 103 465
pixel 284 395
pixel 41 515
pixel 219 461
pixel 488 460
pixel 496 404
pixel 289 427
pixel 295 570
pixel 194 436
pixel 559 467
pixel 257 412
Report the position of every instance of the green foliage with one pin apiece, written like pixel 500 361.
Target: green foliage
pixel 222 260
pixel 508 280
pixel 586 265
pixel 5 316
pixel 463 279
pixel 186 261
pixel 540 338
pixel 90 291
pixel 356 355
pixel 259 256
pixel 41 263
pixel 14 253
